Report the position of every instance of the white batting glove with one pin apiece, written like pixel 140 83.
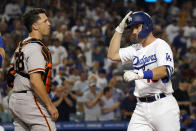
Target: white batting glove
pixel 120 28
pixel 131 75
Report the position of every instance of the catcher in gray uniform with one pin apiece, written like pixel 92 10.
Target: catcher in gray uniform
pixel 31 69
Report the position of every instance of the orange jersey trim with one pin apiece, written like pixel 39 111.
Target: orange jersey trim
pixel 37 69
pixel 42 113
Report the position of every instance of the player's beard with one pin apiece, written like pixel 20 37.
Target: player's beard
pixel 45 30
pixel 132 38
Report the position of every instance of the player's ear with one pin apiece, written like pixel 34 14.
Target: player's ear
pixel 35 26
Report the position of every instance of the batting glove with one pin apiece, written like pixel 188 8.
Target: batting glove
pixel 120 28
pixel 131 75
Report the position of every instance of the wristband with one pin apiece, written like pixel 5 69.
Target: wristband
pixel 1 42
pixel 148 74
pixel 169 70
pixel 119 30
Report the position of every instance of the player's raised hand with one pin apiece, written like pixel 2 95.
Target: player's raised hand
pixel 122 24
pixel 53 112
pixel 131 75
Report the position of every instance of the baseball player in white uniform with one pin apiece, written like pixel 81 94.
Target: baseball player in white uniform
pixel 152 60
pixel 30 105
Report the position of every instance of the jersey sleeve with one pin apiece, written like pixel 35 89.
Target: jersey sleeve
pixel 34 59
pixel 164 55
pixel 126 54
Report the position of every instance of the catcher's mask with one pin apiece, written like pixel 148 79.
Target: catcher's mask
pixel 140 18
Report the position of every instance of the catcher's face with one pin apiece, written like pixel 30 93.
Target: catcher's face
pixel 43 24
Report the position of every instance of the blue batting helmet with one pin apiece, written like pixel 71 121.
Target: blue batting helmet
pixel 141 18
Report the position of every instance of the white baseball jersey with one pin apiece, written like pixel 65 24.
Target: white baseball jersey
pixel 158 53
pixel 33 62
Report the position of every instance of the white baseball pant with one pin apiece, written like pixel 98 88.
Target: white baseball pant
pixel 160 115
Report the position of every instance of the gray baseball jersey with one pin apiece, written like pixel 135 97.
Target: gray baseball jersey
pixel 28 110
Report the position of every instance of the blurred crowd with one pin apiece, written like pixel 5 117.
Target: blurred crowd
pixel 86 86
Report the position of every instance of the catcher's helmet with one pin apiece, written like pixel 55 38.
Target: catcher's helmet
pixel 141 18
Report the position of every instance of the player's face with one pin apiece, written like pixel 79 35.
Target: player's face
pixel 134 31
pixel 43 24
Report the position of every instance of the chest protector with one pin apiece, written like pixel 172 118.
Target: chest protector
pixel 46 77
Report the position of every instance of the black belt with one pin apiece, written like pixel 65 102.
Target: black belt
pixel 23 91
pixel 152 98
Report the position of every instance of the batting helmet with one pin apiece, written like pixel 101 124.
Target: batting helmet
pixel 141 18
